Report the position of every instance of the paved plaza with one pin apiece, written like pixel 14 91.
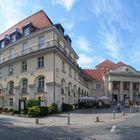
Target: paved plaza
pixel 80 117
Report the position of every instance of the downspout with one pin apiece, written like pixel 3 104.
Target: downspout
pixel 54 79
pixel 54 70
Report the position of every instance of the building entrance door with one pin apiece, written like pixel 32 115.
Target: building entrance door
pixel 115 97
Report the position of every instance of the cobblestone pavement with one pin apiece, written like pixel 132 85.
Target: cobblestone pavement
pixel 84 117
pixel 55 127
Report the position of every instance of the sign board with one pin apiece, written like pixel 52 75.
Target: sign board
pixel 42 103
pixel 22 105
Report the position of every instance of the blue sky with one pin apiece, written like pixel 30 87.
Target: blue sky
pixel 99 29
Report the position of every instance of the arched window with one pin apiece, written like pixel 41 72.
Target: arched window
pixel 11 87
pixel 24 85
pixel 69 89
pixel 63 85
pixel 75 91
pixel 41 83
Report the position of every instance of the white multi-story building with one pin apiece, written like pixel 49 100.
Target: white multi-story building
pixel 37 61
pixel 115 81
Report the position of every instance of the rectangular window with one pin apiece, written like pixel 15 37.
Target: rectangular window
pixel 12 53
pixel 75 75
pixel 11 102
pixel 24 65
pixel 1 58
pixel 10 69
pixel 98 86
pixel 70 72
pixel 41 62
pixel 63 66
pixel 2 44
pixel 27 31
pixel 13 38
pixel 0 73
pixel 41 42
pixel 25 48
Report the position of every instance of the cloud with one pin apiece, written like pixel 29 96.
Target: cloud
pixel 86 61
pixel 115 12
pixel 68 24
pixel 12 12
pixel 68 4
pixel 83 44
pixel 110 41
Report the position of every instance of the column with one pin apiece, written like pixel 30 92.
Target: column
pixel 17 97
pixel 110 90
pixel 121 92
pixel 131 91
pixel 32 91
pixel 139 89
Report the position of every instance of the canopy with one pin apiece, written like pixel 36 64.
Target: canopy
pixel 87 98
pixel 103 98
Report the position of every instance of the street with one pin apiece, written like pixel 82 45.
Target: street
pixel 125 130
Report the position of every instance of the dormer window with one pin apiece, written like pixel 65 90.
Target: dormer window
pixel 28 29
pixel 60 28
pixel 15 35
pixel 68 39
pixel 13 38
pixel 3 44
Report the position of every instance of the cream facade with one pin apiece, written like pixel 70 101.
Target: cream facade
pixel 40 65
pixel 120 81
pixel 123 82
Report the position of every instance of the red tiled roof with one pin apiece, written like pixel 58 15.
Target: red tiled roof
pixel 39 20
pixel 97 74
pixel 93 74
pixel 106 64
pixel 119 64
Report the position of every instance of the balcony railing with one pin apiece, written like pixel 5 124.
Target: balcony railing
pixel 11 92
pixel 62 91
pixel 24 90
pixel 35 48
pixel 40 89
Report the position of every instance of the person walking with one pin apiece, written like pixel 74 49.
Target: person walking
pixel 119 107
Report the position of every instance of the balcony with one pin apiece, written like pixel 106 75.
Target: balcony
pixel 62 91
pixel 35 48
pixel 40 89
pixel 24 90
pixel 11 92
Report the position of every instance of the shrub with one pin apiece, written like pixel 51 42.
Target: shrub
pixel 16 111
pixel 6 110
pixel 81 105
pixel 53 108
pixel 44 111
pixel 32 102
pixel 1 110
pixel 34 111
pixel 11 110
pixel 67 107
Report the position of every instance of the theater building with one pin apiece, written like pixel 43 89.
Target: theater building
pixel 114 80
pixel 37 61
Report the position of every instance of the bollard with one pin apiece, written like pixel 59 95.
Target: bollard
pixel 68 118
pixel 37 121
pixel 130 109
pixel 123 113
pixel 97 119
pixel 113 114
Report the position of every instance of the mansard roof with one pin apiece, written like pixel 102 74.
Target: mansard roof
pixel 39 20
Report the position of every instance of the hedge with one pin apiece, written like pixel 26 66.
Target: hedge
pixel 53 108
pixel 67 107
pixel 34 111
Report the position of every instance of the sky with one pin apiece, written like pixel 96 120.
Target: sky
pixel 99 29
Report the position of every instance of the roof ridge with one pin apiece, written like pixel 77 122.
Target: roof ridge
pixel 40 11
